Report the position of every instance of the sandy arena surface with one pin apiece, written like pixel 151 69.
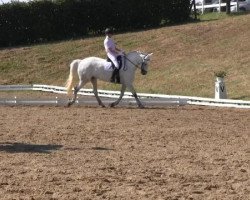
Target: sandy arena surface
pixel 84 152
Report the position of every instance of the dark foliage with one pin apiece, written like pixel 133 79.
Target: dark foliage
pixel 39 21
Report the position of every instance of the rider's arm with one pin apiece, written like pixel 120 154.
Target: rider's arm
pixel 113 50
pixel 117 49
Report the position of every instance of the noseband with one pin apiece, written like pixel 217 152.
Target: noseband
pixel 143 64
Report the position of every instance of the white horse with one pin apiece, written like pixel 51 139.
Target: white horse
pixel 93 68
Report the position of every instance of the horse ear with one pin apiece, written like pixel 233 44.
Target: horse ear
pixel 149 55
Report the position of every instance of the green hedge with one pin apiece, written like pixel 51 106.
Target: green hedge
pixel 22 23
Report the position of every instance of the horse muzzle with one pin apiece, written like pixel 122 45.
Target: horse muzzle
pixel 143 72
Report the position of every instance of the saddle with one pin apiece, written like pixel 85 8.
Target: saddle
pixel 119 60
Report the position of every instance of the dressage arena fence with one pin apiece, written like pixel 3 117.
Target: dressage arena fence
pixel 147 99
pixel 218 5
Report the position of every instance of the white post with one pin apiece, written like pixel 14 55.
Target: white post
pixel 220 89
pixel 219 6
pixel 202 10
pixel 237 6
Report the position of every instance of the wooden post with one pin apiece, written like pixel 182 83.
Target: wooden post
pixel 202 10
pixel 228 7
pixel 237 6
pixel 195 11
pixel 219 6
pixel 220 89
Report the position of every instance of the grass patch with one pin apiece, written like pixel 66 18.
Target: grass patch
pixel 212 16
pixel 184 61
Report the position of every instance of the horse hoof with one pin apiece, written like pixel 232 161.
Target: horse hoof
pixel 112 105
pixel 69 104
pixel 141 106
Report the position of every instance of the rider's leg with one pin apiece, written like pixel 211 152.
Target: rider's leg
pixel 115 76
pixel 119 60
pixel 116 69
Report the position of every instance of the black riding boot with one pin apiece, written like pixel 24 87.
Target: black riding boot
pixel 115 76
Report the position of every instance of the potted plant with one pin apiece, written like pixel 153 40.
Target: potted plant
pixel 220 75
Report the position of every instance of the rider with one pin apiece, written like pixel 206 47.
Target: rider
pixel 114 54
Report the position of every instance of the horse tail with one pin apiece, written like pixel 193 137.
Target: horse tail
pixel 72 73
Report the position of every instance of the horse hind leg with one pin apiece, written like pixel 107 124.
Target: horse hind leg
pixel 76 90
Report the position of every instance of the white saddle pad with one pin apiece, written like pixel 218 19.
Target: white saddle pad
pixel 108 66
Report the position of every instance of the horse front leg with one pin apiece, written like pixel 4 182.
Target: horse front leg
pixel 132 90
pixel 120 97
pixel 94 83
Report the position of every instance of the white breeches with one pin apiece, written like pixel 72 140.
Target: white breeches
pixel 114 60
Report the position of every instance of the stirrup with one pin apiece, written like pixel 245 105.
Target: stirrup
pixel 115 80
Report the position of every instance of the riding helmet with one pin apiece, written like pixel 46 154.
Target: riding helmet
pixel 108 31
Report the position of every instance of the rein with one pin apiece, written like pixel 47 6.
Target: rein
pixel 133 62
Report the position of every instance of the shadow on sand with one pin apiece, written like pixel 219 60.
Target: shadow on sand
pixel 102 149
pixel 28 148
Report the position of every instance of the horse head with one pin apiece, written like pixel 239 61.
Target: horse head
pixel 144 64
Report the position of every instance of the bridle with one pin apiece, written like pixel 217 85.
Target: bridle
pixel 143 64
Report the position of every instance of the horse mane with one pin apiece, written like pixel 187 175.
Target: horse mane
pixel 131 52
pixel 135 51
